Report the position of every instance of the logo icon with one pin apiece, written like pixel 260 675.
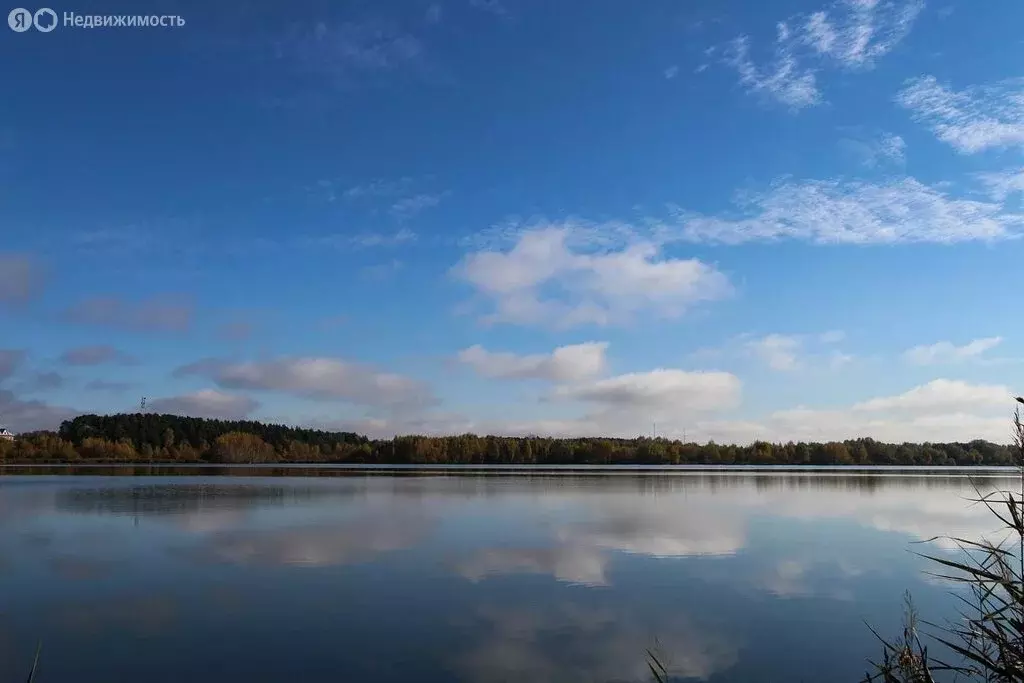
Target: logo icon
pixel 45 19
pixel 20 19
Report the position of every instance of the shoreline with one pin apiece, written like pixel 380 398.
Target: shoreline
pixel 514 468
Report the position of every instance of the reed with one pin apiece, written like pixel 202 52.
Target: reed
pixel 986 643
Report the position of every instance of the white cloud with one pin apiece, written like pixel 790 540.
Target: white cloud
pixel 546 279
pixel 26 415
pixel 854 212
pixel 947 352
pixel 619 406
pixel 939 395
pixel 971 120
pixel 671 72
pixel 1002 184
pixel 565 364
pixel 316 378
pixel 789 352
pixel 658 391
pixel 779 351
pixel 626 407
pixel 206 403
pixel 850 35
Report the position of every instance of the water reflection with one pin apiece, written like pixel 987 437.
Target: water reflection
pixel 323 544
pixel 476 578
pixel 543 643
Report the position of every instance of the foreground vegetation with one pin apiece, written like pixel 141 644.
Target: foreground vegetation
pixel 987 642
pixel 147 437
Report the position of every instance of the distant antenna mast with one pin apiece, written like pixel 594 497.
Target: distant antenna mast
pixel 142 405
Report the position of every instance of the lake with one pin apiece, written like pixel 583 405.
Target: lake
pixel 353 575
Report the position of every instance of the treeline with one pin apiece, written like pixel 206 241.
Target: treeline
pixel 170 438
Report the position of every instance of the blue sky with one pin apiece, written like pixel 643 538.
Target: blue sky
pixel 735 219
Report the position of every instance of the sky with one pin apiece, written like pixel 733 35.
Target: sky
pixel 728 220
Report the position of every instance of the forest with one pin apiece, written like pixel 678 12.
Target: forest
pixel 148 437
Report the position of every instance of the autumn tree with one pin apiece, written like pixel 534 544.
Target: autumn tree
pixel 242 447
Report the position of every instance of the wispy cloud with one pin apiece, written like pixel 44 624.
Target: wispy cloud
pixel 237 330
pixel 21 279
pixel 790 352
pixel 856 33
pixel 784 79
pixel 331 49
pixel 899 210
pixel 671 72
pixel 779 351
pixel 852 212
pixel 43 381
pixel 409 207
pixel 494 7
pixel 10 361
pixel 94 355
pixel 164 314
pixel 382 271
pixel 1001 184
pixel 377 188
pixel 875 150
pixel 849 35
pixel 107 385
pixel 948 352
pixel 832 336
pixel 972 120
pixel 364 240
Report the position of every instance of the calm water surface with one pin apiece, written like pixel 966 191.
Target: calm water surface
pixel 738 576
